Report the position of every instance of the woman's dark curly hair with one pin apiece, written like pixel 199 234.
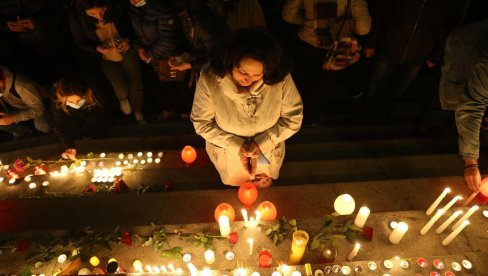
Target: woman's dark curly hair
pixel 253 43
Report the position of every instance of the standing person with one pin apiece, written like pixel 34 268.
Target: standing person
pixel 406 35
pixel 77 112
pixel 246 105
pixel 20 100
pixel 241 13
pixel 159 37
pixel 102 28
pixel 319 26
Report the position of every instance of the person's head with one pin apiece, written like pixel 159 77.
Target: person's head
pixel 93 8
pixel 74 93
pixel 249 55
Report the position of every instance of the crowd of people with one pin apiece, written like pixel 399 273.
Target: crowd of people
pixel 238 69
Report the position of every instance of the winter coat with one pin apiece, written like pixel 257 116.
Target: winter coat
pixel 27 104
pixel 415 29
pixel 301 12
pixel 225 119
pixel 157 29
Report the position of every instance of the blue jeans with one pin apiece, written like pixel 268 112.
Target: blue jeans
pixel 383 69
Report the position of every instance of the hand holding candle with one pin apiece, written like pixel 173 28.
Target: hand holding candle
pixel 437 201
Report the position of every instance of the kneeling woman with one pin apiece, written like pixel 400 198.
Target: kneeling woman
pixel 246 105
pixel 77 113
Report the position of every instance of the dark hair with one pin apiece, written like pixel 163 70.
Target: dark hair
pixel 88 22
pixel 253 43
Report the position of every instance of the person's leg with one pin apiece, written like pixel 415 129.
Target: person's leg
pixel 408 74
pixel 132 70
pixel 383 68
pixel 115 75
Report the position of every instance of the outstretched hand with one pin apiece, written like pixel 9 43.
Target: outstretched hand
pixel 472 177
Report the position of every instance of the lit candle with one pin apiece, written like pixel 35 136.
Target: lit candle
pixel 160 154
pixel 149 160
pixel 437 201
pixel 258 217
pixel 354 252
pixel 186 258
pixel 344 204
pixel 137 264
pixel 398 233
pixel 157 161
pixel 268 211
pixel 139 154
pixel 452 202
pixel 45 183
pixel 244 215
pixel 209 256
pixel 171 268
pixel 156 269
pixel 247 193
pixel 431 222
pixel 130 156
pixel 149 268
pixel 27 178
pixel 224 209
pixel 448 221
pixel 466 216
pixel 62 258
pixel 102 155
pixel 251 243
pixel 163 268
pixel 454 233
pixel 149 154
pixel 361 217
pixel 121 156
pixel 298 245
pixel 224 226
pixel 32 185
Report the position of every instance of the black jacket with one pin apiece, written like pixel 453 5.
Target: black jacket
pixel 157 29
pixel 409 30
pixel 83 26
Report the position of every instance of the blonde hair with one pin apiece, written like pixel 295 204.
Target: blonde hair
pixel 68 87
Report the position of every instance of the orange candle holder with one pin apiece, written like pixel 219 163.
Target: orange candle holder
pixel 247 193
pixel 268 210
pixel 225 209
pixel 265 259
pixel 189 155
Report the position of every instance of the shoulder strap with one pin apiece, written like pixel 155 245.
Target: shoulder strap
pixel 347 15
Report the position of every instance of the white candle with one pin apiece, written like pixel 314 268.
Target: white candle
pixel 398 233
pixel 448 221
pixel 362 216
pixel 157 161
pixel 121 156
pixel 244 215
pixel 193 269
pixel 437 201
pixel 209 257
pixel 251 242
pixel 454 233
pixel 452 202
pixel 102 155
pixel 431 222
pixel 258 217
pixel 354 252
pixel 163 268
pixel 224 226
pixel 466 216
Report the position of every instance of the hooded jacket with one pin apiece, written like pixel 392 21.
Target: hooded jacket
pixel 27 104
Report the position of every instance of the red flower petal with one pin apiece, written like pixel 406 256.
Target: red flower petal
pixel 126 238
pixel 22 246
pixel 232 238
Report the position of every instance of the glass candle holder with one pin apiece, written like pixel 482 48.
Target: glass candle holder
pixel 298 245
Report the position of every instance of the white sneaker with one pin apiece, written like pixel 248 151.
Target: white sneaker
pixel 125 107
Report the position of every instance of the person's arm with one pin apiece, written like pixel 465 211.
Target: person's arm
pixel 203 118
pixel 360 14
pixel 29 94
pixel 292 12
pixel 290 119
pixel 79 35
pixel 469 115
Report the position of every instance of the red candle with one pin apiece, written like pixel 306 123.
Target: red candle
pixel 438 264
pixel 449 273
pixel 188 154
pixel 422 262
pixel 265 259
pixel 248 193
pixel 224 209
pixel 434 273
pixel 483 195
pixel 268 210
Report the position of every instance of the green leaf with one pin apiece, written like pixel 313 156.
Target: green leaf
pixel 204 239
pixel 292 222
pixel 275 239
pixel 29 159
pixel 338 236
pixel 275 227
pixel 26 272
pixel 268 231
pixel 354 227
pixel 39 264
pixel 327 218
pixel 197 243
pixel 89 155
pixel 315 244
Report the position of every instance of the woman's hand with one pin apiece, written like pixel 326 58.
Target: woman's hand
pixel 69 154
pixel 143 56
pixel 249 153
pixel 180 67
pixel 102 50
pixel 123 46
pixel 473 178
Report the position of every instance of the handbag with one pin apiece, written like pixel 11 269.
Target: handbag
pixel 166 74
pixel 344 51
